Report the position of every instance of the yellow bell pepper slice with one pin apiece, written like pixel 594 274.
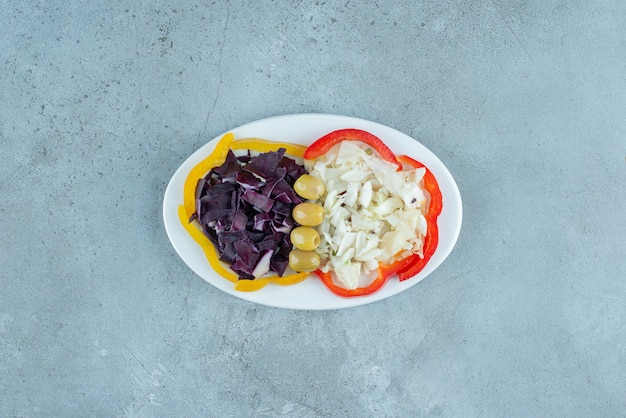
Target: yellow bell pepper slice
pixel 263 145
pixel 256 284
pixel 185 211
pixel 216 158
pixel 209 249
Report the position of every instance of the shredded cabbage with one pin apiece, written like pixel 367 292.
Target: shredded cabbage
pixel 372 213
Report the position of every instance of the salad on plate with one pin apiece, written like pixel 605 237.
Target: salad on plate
pixel 344 209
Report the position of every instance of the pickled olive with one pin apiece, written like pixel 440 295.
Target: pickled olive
pixel 308 214
pixel 309 187
pixel 300 261
pixel 305 238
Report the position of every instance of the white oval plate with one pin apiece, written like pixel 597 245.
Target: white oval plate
pixel 304 129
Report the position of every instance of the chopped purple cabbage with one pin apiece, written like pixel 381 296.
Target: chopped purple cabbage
pixel 264 165
pixel 244 207
pixel 260 202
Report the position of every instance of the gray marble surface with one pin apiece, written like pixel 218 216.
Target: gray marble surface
pixel 524 101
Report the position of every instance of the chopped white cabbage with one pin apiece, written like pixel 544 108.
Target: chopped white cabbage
pixel 372 213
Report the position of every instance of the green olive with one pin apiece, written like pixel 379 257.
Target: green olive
pixel 309 187
pixel 305 238
pixel 308 214
pixel 303 260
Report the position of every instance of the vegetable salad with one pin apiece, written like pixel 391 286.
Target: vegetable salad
pixel 345 208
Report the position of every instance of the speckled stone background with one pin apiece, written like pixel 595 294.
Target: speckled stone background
pixel 524 101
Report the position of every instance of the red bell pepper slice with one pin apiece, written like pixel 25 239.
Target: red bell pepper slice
pixel 325 143
pixel 327 279
pixel 415 264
